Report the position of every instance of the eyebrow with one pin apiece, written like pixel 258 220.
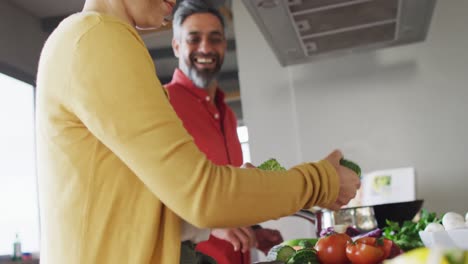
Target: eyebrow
pixel 214 32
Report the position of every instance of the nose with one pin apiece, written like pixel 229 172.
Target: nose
pixel 205 46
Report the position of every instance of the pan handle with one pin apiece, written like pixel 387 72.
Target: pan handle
pixel 314 217
pixel 307 215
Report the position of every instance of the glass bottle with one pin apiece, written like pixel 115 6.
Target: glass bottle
pixel 17 249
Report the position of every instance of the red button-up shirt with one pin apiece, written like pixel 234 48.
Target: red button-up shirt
pixel 214 129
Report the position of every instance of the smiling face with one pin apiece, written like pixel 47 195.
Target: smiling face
pixel 148 14
pixel 200 47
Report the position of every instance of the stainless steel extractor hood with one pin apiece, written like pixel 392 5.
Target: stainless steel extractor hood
pixel 301 31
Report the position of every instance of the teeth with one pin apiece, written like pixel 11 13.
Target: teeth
pixel 204 60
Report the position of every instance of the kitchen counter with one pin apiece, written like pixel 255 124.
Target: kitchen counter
pixel 7 260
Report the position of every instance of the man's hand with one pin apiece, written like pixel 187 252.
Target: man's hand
pixel 267 238
pixel 242 238
pixel 349 181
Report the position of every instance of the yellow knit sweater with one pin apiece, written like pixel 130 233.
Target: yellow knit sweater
pixel 118 171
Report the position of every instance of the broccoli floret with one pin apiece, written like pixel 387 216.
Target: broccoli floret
pixel 271 164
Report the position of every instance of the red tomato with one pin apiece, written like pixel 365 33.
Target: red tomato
pixel 360 253
pixel 383 243
pixel 395 251
pixel 332 249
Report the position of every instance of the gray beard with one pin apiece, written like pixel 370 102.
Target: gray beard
pixel 200 79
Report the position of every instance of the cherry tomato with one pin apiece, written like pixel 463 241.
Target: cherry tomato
pixel 332 249
pixel 360 253
pixel 383 243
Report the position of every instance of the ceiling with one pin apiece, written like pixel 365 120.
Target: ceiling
pixel 49 8
pixel 51 12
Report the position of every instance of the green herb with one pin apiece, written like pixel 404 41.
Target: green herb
pixel 271 164
pixel 406 236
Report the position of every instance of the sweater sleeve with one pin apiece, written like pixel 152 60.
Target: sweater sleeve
pixel 115 92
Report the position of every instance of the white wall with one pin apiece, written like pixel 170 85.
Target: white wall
pixel 404 106
pixel 21 40
pixel 398 107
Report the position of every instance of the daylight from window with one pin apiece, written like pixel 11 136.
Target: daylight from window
pixel 18 193
pixel 243 134
pixel 18 189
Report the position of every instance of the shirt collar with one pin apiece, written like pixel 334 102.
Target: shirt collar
pixel 181 80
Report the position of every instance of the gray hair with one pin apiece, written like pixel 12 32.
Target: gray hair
pixel 187 8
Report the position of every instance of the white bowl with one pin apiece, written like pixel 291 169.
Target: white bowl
pixel 456 238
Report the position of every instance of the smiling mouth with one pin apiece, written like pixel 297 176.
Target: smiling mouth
pixel 204 61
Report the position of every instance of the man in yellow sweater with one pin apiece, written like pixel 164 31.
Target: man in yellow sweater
pixel 112 152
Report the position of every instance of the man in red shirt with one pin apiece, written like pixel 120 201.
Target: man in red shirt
pixel 199 43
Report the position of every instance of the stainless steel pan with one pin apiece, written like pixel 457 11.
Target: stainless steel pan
pixel 363 218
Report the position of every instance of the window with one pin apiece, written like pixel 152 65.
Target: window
pixel 243 135
pixel 18 192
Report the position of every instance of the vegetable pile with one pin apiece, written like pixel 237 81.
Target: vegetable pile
pixel 354 247
pixel 296 251
pixel 406 236
pixel 334 248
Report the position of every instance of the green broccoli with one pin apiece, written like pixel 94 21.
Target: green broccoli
pixel 272 165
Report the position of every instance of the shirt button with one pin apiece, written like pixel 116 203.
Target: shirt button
pixel 207 98
pixel 216 116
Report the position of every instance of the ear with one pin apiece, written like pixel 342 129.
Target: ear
pixel 175 47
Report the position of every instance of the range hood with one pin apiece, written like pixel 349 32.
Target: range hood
pixel 301 31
